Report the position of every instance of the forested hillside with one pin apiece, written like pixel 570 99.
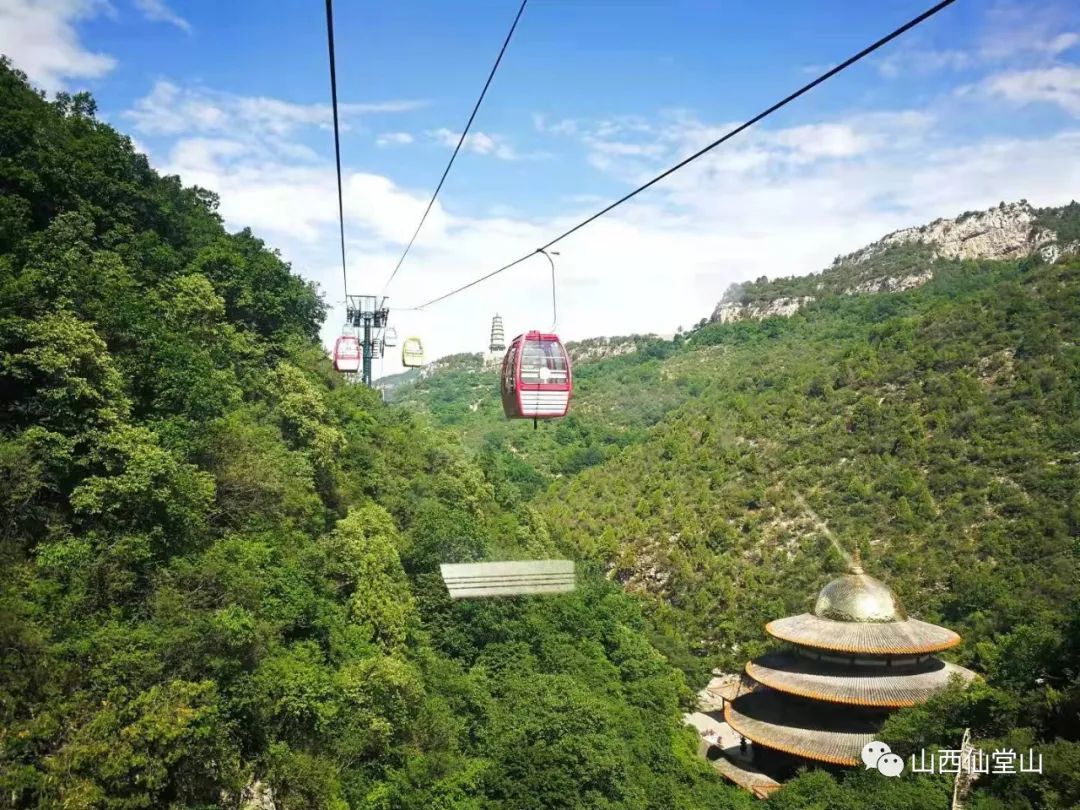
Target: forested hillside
pixel 616 399
pixel 218 580
pixel 218 569
pixel 936 429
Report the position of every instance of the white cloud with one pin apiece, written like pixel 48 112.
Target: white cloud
pixel 1017 34
pixel 850 137
pixel 564 126
pixel 271 194
pixel 482 143
pixel 612 156
pixel 1057 85
pixel 813 141
pixel 249 150
pixel 1062 42
pixel 394 139
pixel 1034 29
pixel 157 11
pixel 678 134
pixel 205 151
pixel 41 39
pixel 172 110
pixel 909 61
pixel 770 202
pixel 622 149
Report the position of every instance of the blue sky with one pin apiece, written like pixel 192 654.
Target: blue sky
pixel 980 104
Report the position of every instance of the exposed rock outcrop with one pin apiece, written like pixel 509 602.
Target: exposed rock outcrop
pixel 889 284
pixel 257 796
pixel 1008 231
pixel 471 363
pixel 901 260
pixel 1053 252
pixel 585 351
pixel 786 307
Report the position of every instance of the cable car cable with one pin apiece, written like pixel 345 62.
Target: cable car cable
pixel 337 139
pixel 461 140
pixel 763 114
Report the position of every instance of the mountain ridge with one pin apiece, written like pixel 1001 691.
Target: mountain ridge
pixel 900 260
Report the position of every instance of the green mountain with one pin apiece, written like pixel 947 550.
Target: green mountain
pixel 617 396
pixel 914 402
pixel 218 567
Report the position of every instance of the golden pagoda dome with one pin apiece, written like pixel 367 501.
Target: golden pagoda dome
pixel 856 613
pixel 858 597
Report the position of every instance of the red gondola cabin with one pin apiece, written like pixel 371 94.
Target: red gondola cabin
pixel 536 378
pixel 347 354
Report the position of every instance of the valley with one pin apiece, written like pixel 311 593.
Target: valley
pixel 219 568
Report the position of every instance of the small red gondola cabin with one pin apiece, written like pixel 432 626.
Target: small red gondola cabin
pixel 347 354
pixel 536 378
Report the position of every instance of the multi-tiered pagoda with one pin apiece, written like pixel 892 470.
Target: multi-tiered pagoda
pixel 847 665
pixel 497 346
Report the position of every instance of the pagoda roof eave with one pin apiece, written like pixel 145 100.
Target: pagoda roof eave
pixel 787 724
pixel 908 637
pixel 858 686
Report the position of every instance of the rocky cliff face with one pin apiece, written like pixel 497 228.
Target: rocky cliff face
pixel 590 349
pixel 1008 231
pixel 471 363
pixel 731 311
pixel 888 284
pixel 901 260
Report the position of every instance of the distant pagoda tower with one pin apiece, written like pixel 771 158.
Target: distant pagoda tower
pixel 848 664
pixel 498 338
pixel 498 342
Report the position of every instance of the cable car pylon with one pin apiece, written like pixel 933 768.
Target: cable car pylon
pixel 363 337
pixel 365 315
pixel 368 316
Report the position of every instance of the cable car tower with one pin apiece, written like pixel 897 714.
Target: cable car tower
pixel 365 315
pixel 368 315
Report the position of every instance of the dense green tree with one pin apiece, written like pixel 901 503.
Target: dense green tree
pixel 218 561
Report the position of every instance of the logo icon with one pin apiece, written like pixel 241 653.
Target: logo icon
pixel 878 755
pixel 890 764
